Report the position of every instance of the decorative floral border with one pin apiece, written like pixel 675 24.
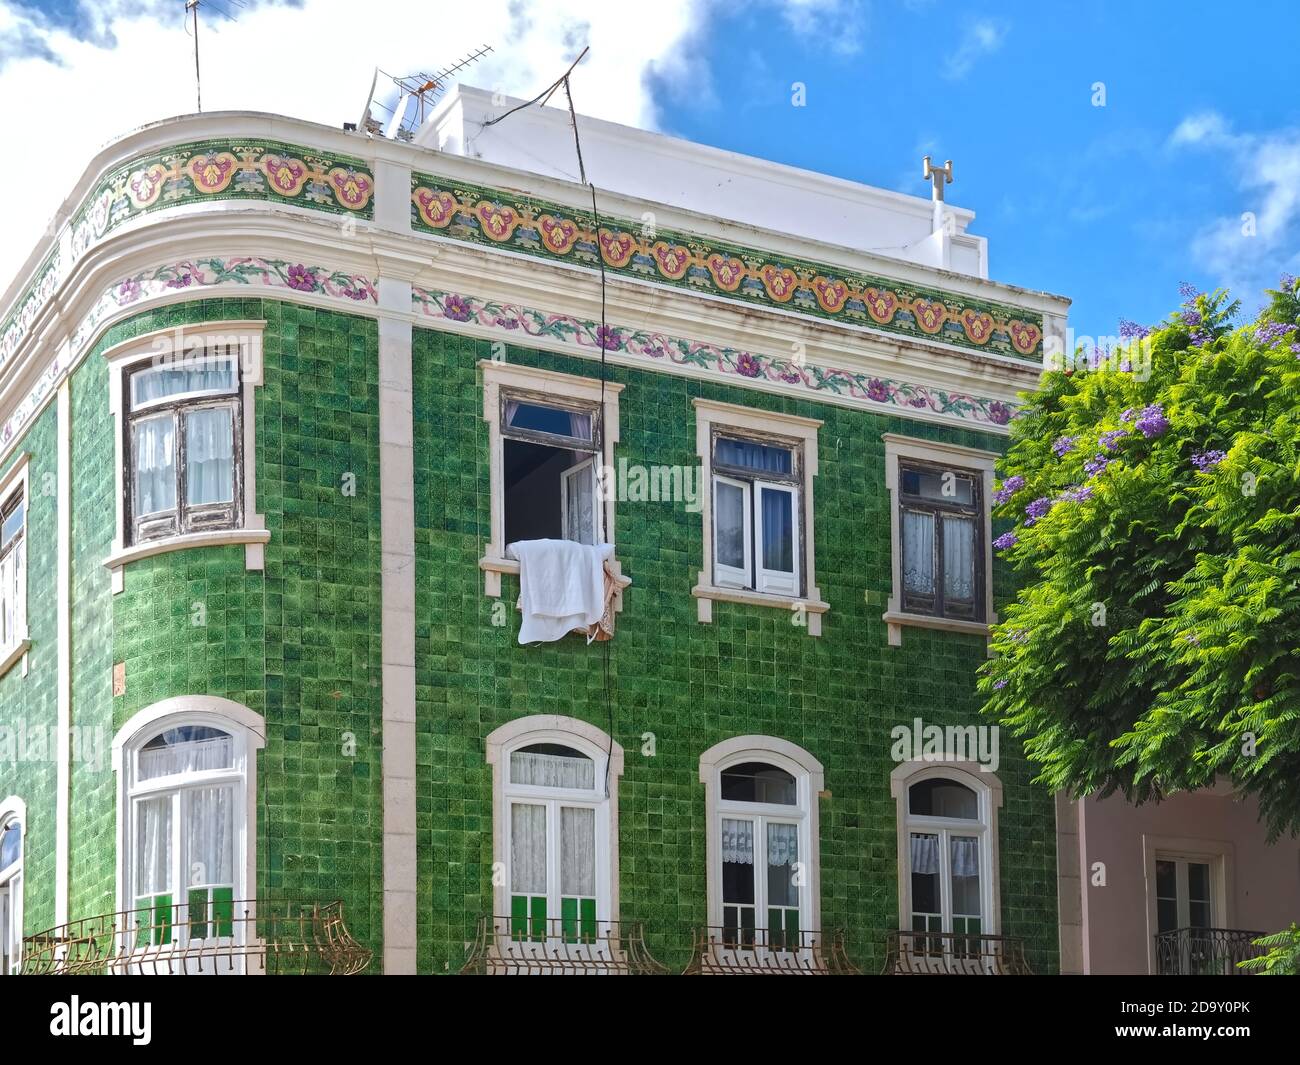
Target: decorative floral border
pixel 227 169
pixel 28 306
pixel 492 217
pixel 722 361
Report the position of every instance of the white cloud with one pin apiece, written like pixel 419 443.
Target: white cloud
pixel 1248 247
pixel 834 24
pixel 62 97
pixel 982 37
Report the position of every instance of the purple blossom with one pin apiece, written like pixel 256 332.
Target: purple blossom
pixel 1129 414
pixel 1201 337
pixel 1110 440
pixel 1187 290
pixel 1131 330
pixel 1010 487
pixel 1005 541
pixel 1287 283
pixel 1152 421
pixel 1125 366
pixel 1037 509
pixel 747 365
pixel 300 278
pixel 1096 465
pixel 998 685
pixel 1191 318
pixel 457 308
pixel 999 413
pixel 1078 493
pixel 877 390
pixel 1296 349
pixel 1062 444
pixel 1272 332
pixel 1205 461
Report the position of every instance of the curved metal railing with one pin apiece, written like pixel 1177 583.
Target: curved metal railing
pixel 527 946
pixel 758 952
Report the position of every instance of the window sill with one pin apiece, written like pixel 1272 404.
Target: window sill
pixel 252 539
pixel 494 566
pixel 896 620
pixel 708 594
pixel 10 657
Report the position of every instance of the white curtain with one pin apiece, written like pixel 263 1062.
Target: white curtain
pixel 918 553
pixel 11 591
pixel 209 830
pixel 925 853
pixel 965 854
pixel 958 558
pixel 579 483
pixel 190 756
pixel 191 375
pixel 209 456
pixel 737 841
pixel 153 846
pixel 577 851
pixel 527 849
pixel 154 445
pixel 729 524
pixel 552 770
pixel 782 844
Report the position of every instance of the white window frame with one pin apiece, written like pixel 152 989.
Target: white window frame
pixel 1219 854
pixel 967 460
pixel 784 430
pixel 810 783
pixel 566 387
pixel 188 339
pixel 248 731
pixel 14 811
pixel 16 479
pixel 596 745
pixel 988 793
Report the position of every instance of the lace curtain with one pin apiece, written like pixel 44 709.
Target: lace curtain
pixel 192 375
pixel 154 445
pixel 190 756
pixel 577 851
pixel 738 842
pixel 209 456
pixel 963 852
pixel 552 770
pixel 579 484
pixel 958 558
pixel 782 844
pixel 918 553
pixel 153 846
pixel 729 524
pixel 209 828
pixel 527 849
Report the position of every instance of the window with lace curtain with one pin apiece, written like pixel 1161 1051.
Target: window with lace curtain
pixel 11 887
pixel 186 833
pixel 939 533
pixel 13 565
pixel 182 446
pixel 557 842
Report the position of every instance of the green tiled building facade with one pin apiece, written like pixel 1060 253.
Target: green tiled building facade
pixel 369 760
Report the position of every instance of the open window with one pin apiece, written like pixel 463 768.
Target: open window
pixel 758 470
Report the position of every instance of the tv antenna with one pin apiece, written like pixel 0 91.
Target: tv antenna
pixel 193 6
pixel 422 87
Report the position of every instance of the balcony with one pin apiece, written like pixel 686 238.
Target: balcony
pixel 954 954
pixel 559 946
pixel 275 937
pixel 759 952
pixel 1205 951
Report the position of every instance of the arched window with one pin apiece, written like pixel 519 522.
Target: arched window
pixel 555 830
pixel 187 820
pixel 947 848
pixel 12 821
pixel 763 876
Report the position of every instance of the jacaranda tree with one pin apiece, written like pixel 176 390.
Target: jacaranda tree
pixel 1155 495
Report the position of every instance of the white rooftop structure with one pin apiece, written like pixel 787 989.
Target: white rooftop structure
pixel 707 181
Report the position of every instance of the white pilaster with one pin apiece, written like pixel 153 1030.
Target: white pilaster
pixel 63 606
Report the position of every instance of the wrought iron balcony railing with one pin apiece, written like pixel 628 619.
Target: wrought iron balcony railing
pixel 534 946
pixel 759 952
pixel 235 938
pixel 954 954
pixel 1205 951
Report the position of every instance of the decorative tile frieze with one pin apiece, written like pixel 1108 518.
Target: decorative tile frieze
pixel 535 227
pixel 793 376
pixel 28 306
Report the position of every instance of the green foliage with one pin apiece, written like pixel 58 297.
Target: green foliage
pixel 1155 643
pixel 1283 957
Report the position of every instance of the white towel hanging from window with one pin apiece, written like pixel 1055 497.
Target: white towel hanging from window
pixel 561 587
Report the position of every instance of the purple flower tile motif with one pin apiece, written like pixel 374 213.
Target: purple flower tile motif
pixel 301 278
pixel 457 308
pixel 999 413
pixel 748 366
pixel 181 281
pixel 877 390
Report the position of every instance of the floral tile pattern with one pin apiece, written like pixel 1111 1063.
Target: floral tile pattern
pixel 534 227
pixel 28 306
pixel 798 377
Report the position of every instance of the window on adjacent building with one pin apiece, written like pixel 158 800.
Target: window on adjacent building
pixel 756 527
pixel 183 439
pixel 1184 895
pixel 551 464
pixel 13 567
pixel 11 893
pixel 940 525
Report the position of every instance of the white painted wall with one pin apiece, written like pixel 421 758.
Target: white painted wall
pixel 693 177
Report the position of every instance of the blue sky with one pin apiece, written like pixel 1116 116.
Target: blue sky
pixel 1111 205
